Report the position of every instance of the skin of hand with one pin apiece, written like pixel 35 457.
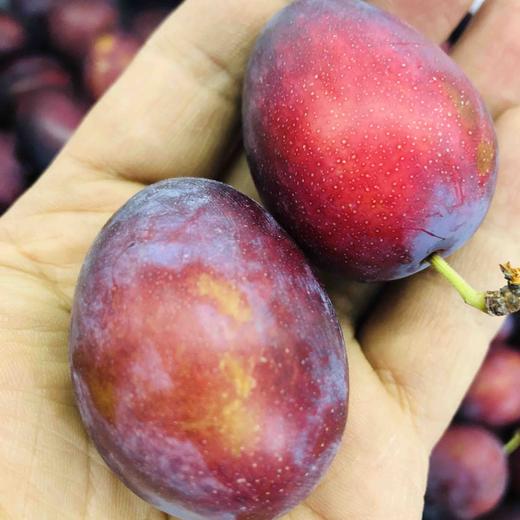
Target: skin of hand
pixel 176 113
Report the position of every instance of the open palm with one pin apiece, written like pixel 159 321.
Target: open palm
pixel 176 113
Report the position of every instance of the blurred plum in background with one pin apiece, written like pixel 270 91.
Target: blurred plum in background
pixel 12 36
pixel 494 397
pixel 75 24
pixel 468 472
pixel 44 123
pixel 12 177
pixel 28 75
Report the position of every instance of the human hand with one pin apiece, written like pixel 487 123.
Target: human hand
pixel 176 113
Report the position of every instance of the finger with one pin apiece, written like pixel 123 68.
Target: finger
pixel 437 344
pixel 489 51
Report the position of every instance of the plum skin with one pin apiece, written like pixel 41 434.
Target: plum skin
pixel 468 472
pixel 29 74
pixel 12 36
pixel 45 121
pixel 208 364
pixel 366 142
pixel 12 175
pixel 494 396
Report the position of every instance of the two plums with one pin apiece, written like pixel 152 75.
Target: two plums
pixel 208 365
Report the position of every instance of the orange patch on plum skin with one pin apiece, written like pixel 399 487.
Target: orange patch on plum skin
pixel 463 106
pixel 100 387
pixel 242 379
pixel 228 299
pixel 228 415
pixel 239 428
pixel 102 394
pixel 485 157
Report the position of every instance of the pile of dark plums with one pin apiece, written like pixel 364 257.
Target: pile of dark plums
pixel 56 58
pixel 472 475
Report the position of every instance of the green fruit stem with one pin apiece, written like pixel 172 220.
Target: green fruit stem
pixel 469 295
pixel 496 303
pixel 513 444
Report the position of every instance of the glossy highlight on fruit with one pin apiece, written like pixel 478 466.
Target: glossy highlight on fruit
pixel 208 364
pixel 468 472
pixel 365 140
